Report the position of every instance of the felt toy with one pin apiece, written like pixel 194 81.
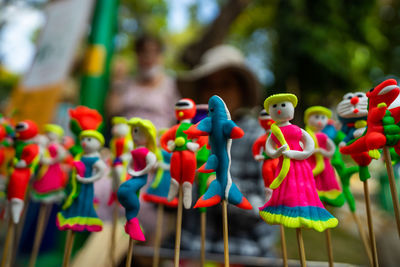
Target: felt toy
pixel 26 160
pixel 329 190
pixel 258 149
pixel 83 118
pixel 294 202
pixel 3 175
pixel 49 184
pixel 221 130
pixel 78 213
pixel 183 160
pixel 143 161
pixel 121 144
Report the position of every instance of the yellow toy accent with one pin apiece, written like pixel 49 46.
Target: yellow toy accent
pixel 119 120
pixel 286 161
pixel 316 109
pixel 179 141
pixel 382 105
pixel 332 194
pixel 54 128
pixel 375 154
pixel 360 124
pixel 74 187
pixel 93 134
pixel 319 159
pixel 78 220
pixel 277 98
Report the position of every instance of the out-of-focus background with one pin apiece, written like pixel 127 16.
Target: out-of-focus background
pixel 109 55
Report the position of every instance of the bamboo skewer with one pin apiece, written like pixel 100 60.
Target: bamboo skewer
pixel 364 238
pixel 203 222
pixel 157 241
pixel 178 229
pixel 283 244
pixel 130 253
pixel 41 225
pixel 300 243
pixel 8 242
pixel 113 233
pixel 68 247
pixel 329 247
pixel 370 225
pixel 393 188
pixel 225 230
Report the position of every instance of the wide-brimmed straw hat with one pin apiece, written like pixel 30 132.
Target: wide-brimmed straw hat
pixel 221 57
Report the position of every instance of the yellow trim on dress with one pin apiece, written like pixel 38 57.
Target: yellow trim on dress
pixel 286 161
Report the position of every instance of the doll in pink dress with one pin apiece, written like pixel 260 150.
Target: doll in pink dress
pixel 51 179
pixel 294 201
pixel 329 190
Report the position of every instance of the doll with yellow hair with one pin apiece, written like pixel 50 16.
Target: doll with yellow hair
pixel 143 161
pixel 329 190
pixel 51 180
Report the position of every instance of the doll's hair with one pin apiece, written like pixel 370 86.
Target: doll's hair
pixel 150 131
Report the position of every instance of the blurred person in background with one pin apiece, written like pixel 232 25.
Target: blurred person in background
pixel 222 71
pixel 151 94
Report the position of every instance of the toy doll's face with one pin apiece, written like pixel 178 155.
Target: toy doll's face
pixel 139 136
pixel 120 130
pixel 318 121
pixel 353 105
pixel 90 144
pixel 41 140
pixel 52 137
pixel 282 111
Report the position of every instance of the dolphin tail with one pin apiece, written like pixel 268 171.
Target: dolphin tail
pixel 236 198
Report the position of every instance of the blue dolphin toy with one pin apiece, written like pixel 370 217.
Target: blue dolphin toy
pixel 221 130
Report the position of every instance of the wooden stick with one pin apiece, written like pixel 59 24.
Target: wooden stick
pixel 370 225
pixel 178 229
pixel 363 237
pixel 8 242
pixel 301 247
pixel 157 241
pixel 225 230
pixel 130 254
pixel 41 224
pixel 69 243
pixel 329 246
pixel 393 188
pixel 283 244
pixel 113 234
pixel 203 222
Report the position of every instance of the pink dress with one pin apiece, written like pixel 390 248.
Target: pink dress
pixel 51 180
pixel 295 203
pixel 328 188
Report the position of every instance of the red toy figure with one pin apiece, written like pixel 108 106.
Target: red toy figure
pixel 258 149
pixel 26 158
pixel 183 160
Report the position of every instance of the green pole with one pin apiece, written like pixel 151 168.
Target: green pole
pixel 95 80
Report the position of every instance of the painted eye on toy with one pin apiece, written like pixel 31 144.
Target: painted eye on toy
pixel 372 89
pixel 274 105
pixel 283 105
pixel 211 109
pixel 135 130
pixel 348 96
pixel 360 95
pixel 184 104
pixel 21 126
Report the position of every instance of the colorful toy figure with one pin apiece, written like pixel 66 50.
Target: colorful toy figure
pixel 221 130
pixel 329 191
pixel 121 144
pixel 83 118
pixel 382 129
pixel 158 190
pixel 78 213
pixel 26 160
pixel 51 180
pixel 143 161
pixel 3 175
pixel 258 149
pixel 183 161
pixel 294 202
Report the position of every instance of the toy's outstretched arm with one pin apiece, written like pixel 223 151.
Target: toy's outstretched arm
pixel 257 147
pixel 202 128
pixel 270 148
pixel 330 149
pixel 231 130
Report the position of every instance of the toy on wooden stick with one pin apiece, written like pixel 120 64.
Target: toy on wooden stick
pixel 49 184
pixel 183 162
pixel 78 213
pixel 329 190
pixel 26 159
pixel 294 202
pixel 221 130
pixel 143 161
